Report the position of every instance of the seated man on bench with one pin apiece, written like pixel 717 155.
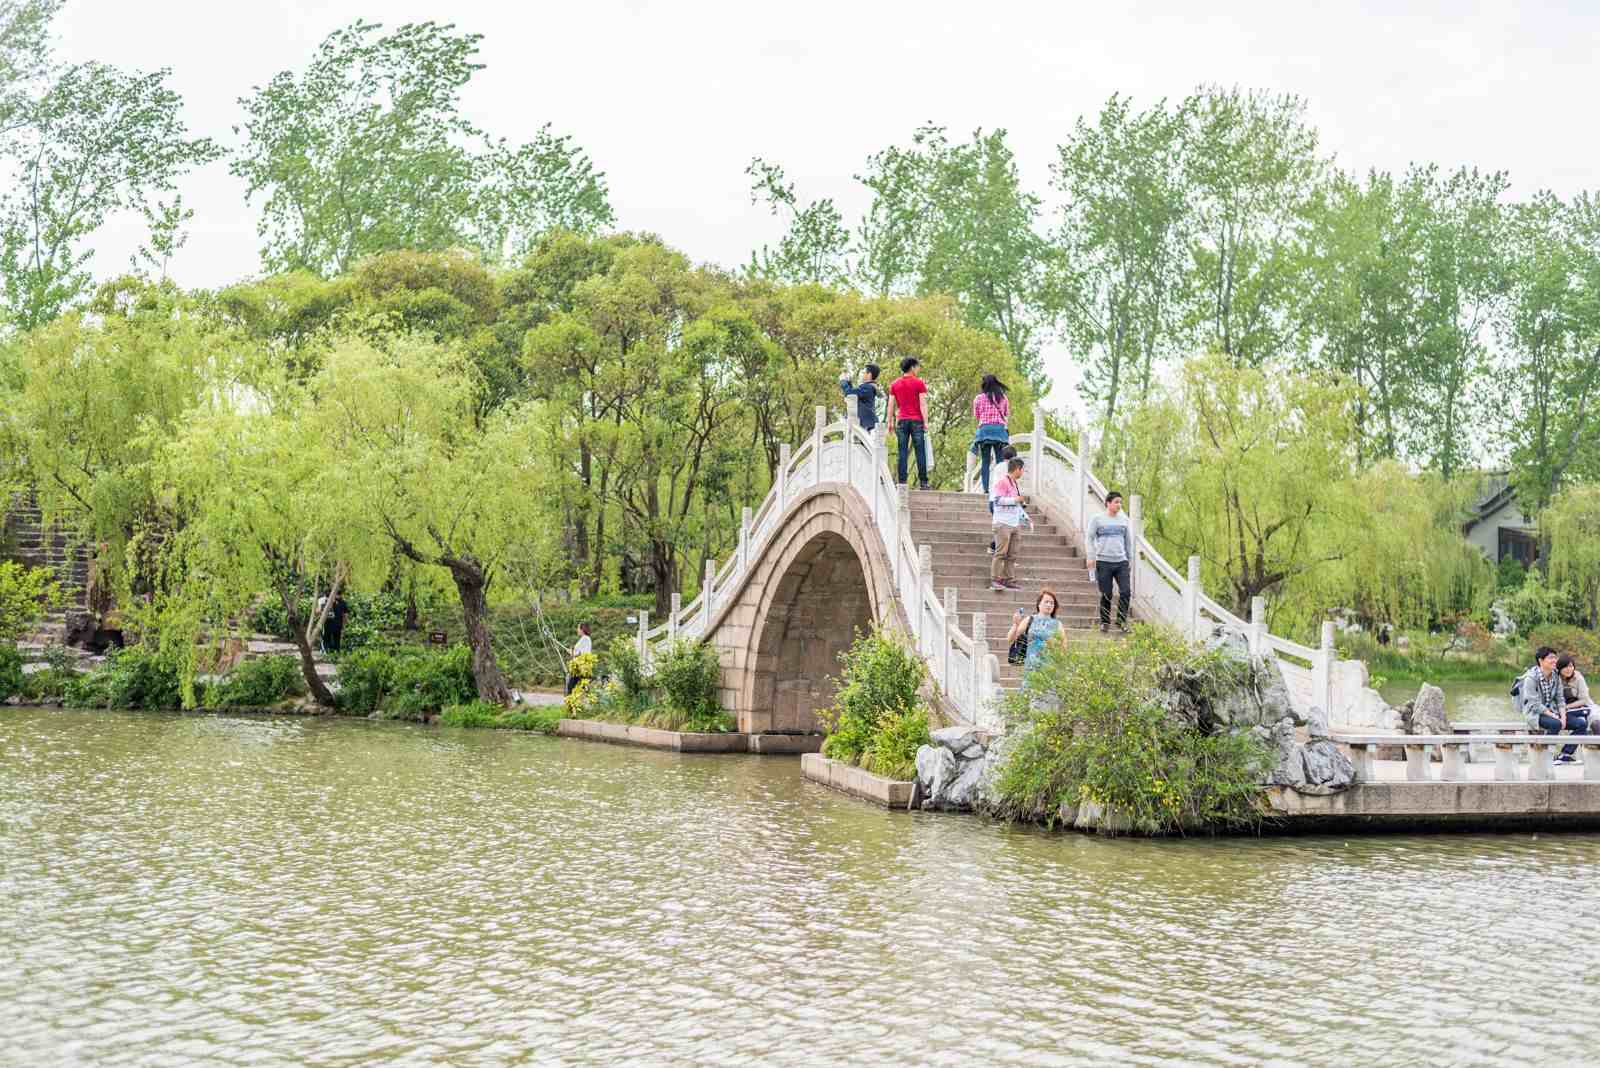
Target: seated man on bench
pixel 1540 699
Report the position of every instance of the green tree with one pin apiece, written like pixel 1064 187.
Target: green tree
pixel 1122 246
pixel 366 151
pixel 24 56
pixel 450 488
pixel 97 142
pixel 815 247
pixel 1244 467
pixel 1550 327
pixel 1569 527
pixel 1250 170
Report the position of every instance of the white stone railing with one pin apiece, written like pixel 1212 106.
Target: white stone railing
pixel 844 455
pixel 1059 477
pixel 1455 751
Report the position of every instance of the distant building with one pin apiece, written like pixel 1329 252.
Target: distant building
pixel 1498 527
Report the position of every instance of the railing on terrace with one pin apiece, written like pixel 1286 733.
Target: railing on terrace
pixel 842 453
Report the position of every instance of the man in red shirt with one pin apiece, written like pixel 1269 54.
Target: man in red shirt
pixel 910 425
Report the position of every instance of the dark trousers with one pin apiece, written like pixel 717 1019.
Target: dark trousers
pixel 907 433
pixel 1576 722
pixel 332 635
pixel 1105 573
pixel 986 449
pixel 572 683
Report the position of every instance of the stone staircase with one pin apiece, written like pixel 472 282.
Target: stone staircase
pixel 28 542
pixel 956 526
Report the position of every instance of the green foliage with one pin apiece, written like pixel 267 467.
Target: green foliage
pixel 542 719
pixel 137 677
pixel 686 676
pixel 51 684
pixel 406 683
pixel 257 683
pixel 471 714
pixel 1090 731
pixel 1537 603
pixel 1581 644
pixel 1571 527
pixel 11 677
pixel 877 719
pixel 25 594
pixel 623 663
pixel 1510 575
pixel 366 151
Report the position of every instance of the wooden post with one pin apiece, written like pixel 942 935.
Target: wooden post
pixel 744 539
pixel 1136 532
pixel 1258 626
pixel 705 599
pixel 672 619
pixel 784 454
pixel 1191 600
pixel 821 416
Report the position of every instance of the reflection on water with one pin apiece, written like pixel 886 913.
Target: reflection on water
pixel 1466 701
pixel 181 890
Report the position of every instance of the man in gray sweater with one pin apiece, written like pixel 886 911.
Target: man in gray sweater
pixel 1109 549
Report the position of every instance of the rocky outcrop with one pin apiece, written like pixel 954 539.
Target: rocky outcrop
pixel 1316 766
pixel 1238 692
pixel 949 771
pixel 1425 713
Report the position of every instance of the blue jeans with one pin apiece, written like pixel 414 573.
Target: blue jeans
pixel 988 452
pixel 1576 722
pixel 908 432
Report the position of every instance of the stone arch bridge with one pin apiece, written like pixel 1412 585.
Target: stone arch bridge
pixel 836 546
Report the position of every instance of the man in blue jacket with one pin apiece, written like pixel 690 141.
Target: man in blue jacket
pixel 866 395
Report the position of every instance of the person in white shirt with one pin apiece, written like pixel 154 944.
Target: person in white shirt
pixel 1009 514
pixel 585 644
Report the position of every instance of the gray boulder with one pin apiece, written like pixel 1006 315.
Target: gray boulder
pixel 1327 770
pixel 1425 715
pixel 936 767
pixel 964 742
pixel 1317 724
pixel 1288 766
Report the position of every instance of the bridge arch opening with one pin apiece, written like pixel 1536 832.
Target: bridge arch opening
pixel 813 614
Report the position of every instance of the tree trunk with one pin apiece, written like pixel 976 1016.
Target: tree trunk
pixel 472 587
pixel 664 575
pixel 308 662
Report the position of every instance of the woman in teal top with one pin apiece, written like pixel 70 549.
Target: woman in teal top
pixel 1041 628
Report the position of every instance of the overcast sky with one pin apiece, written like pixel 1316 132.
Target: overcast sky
pixel 672 99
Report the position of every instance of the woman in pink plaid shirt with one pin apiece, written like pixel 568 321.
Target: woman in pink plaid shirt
pixel 992 410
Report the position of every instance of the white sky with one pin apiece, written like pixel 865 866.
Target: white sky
pixel 672 99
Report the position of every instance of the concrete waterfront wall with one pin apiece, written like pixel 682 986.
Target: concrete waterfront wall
pixel 593 730
pixel 1459 806
pixel 890 793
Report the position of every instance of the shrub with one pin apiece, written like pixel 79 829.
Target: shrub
pixel 1582 645
pixel 1092 730
pixel 471 714
pixel 25 593
pixel 11 678
pixel 258 683
pixel 1510 575
pixel 687 677
pixel 579 703
pixel 876 719
pixel 406 683
pixel 1539 603
pixel 623 664
pixel 540 718
pixel 133 678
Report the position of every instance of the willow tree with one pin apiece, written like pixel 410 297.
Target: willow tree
pixel 1246 468
pixel 401 431
pixel 1571 527
pixel 264 508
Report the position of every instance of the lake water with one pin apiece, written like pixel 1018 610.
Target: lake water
pixel 210 890
pixel 1466 701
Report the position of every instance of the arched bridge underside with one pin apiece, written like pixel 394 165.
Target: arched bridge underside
pixel 819 580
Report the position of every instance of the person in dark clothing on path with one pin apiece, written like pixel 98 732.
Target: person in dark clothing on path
pixel 866 395
pixel 333 626
pixel 584 645
pixel 905 415
pixel 1110 551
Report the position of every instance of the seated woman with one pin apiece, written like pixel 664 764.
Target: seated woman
pixel 1575 695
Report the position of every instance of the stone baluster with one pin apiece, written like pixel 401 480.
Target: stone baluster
pixel 850 417
pixel 924 589
pixel 1258 625
pixel 1080 494
pixel 706 593
pixel 744 539
pixel 821 417
pixel 1191 600
pixel 1322 671
pixel 980 665
pixel 672 618
pixel 644 645
pixel 1035 470
pixel 1136 534
pixel 784 455
pixel 950 625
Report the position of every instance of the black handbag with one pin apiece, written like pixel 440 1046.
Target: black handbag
pixel 1019 648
